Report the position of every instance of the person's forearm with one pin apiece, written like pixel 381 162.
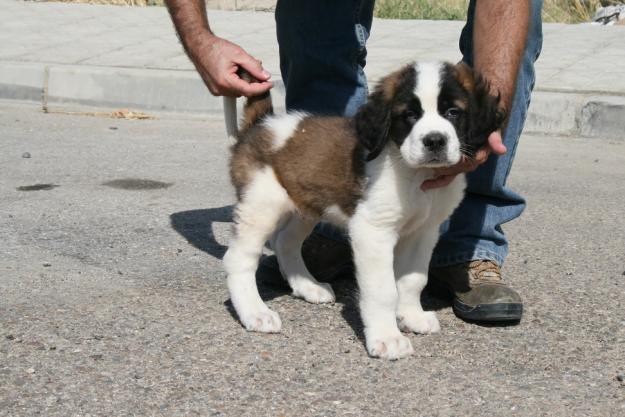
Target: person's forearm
pixel 499 36
pixel 190 20
pixel 216 60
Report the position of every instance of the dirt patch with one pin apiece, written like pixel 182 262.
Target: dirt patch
pixel 137 184
pixel 36 187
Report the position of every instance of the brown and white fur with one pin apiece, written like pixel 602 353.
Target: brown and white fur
pixel 364 174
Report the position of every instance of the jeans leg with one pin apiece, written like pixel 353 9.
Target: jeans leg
pixel 322 53
pixel 322 59
pixel 474 230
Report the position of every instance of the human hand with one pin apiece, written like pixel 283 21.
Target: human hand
pixel 218 60
pixel 443 176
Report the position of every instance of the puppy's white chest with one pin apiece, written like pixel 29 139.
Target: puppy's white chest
pixel 413 220
pixel 394 198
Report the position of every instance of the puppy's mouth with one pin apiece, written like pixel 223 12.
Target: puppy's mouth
pixel 437 160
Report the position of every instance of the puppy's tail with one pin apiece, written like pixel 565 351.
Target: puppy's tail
pixel 230 116
pixel 256 107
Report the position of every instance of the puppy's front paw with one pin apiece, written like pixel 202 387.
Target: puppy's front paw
pixel 265 321
pixel 389 347
pixel 424 322
pixel 314 292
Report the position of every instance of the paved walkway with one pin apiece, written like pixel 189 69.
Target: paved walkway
pixel 113 300
pixel 107 56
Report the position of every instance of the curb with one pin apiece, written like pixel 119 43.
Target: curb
pixel 72 87
pixel 577 113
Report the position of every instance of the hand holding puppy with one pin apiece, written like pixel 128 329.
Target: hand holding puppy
pixel 444 176
pixel 216 60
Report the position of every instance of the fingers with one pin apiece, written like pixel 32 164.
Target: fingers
pixel 253 66
pixel 452 170
pixel 218 61
pixel 465 165
pixel 447 174
pixel 440 181
pixel 481 156
pixel 496 143
pixel 240 87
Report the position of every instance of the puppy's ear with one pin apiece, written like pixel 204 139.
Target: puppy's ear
pixel 373 123
pixel 485 112
pixel 374 119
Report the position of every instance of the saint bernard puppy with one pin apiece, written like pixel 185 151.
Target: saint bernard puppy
pixel 364 174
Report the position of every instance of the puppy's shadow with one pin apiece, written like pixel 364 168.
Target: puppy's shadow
pixel 433 300
pixel 196 226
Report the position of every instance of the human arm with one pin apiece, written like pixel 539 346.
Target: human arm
pixel 216 60
pixel 499 34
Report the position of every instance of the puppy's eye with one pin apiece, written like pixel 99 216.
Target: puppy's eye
pixel 453 113
pixel 411 116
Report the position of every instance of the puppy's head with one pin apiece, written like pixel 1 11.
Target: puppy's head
pixel 433 112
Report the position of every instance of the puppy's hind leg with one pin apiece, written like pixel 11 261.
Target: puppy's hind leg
pixel 288 247
pixel 262 205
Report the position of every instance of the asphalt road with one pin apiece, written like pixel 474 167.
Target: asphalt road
pixel 113 300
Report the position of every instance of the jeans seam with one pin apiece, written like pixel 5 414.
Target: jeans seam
pixel 361 37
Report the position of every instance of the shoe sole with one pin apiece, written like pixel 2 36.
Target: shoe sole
pixel 488 312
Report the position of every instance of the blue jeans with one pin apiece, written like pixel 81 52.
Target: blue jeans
pixel 322 56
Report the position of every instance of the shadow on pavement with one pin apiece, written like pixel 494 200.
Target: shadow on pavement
pixel 196 226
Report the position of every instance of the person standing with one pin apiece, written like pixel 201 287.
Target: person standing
pixel 322 58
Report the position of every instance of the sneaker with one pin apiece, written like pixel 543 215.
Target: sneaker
pixel 325 258
pixel 478 290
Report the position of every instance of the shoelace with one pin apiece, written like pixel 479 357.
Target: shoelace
pixel 484 271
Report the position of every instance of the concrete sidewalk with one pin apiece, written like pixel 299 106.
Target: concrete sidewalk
pixel 73 55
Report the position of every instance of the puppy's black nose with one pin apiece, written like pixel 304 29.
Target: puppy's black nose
pixel 434 142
